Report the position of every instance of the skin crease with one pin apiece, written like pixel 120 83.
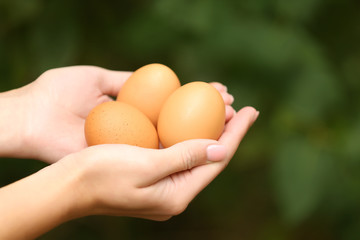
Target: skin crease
pixel 109 179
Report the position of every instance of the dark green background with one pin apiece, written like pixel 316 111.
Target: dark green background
pixel 297 173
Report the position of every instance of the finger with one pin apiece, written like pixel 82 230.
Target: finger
pixel 236 129
pixel 201 176
pixel 229 113
pixel 112 81
pixel 220 87
pixel 228 98
pixel 186 155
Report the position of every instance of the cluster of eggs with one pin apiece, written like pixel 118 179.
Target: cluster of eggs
pixel 153 107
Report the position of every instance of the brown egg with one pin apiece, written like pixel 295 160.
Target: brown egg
pixel 195 110
pixel 148 88
pixel 119 123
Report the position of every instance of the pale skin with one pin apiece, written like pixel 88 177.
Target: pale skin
pixel 44 120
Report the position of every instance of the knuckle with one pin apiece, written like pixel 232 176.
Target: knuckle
pixel 176 207
pixel 184 159
pixel 165 208
pixel 188 159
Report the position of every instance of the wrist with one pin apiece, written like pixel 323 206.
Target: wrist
pixel 12 124
pixel 36 204
pixel 19 127
pixel 79 202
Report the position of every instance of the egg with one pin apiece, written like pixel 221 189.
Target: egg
pixel 119 123
pixel 148 88
pixel 195 110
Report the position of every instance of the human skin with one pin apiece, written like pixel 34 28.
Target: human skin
pixel 119 180
pixel 45 119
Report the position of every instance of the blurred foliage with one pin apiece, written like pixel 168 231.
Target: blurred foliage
pixel 296 174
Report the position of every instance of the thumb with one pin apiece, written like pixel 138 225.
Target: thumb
pixel 187 155
pixel 112 81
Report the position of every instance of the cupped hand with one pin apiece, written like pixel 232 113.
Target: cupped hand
pixel 58 102
pixel 153 184
pixel 56 106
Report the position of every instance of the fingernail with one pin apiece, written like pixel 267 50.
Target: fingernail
pixel 216 153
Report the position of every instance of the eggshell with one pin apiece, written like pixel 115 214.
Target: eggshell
pixel 195 110
pixel 148 88
pixel 119 123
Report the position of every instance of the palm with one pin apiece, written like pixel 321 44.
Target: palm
pixel 61 100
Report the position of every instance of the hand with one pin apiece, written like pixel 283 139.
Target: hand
pixel 55 106
pixel 118 180
pixel 154 184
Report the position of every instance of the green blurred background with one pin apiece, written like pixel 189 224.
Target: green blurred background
pixel 297 173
